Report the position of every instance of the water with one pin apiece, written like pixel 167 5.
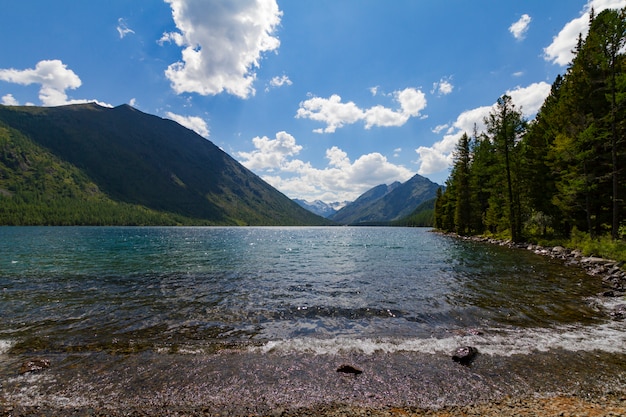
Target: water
pixel 167 296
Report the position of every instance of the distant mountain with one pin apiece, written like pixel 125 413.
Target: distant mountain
pixel 86 164
pixel 386 203
pixel 321 208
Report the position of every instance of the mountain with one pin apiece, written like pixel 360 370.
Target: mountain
pixel 321 208
pixel 386 203
pixel 110 161
pixel 422 216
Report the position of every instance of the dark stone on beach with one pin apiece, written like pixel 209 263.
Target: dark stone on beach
pixel 34 365
pixel 465 355
pixel 619 312
pixel 349 369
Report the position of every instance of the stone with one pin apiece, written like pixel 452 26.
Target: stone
pixel 619 312
pixel 34 365
pixel 593 260
pixel 349 369
pixel 465 355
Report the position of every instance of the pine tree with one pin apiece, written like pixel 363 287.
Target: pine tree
pixel 506 125
pixel 461 175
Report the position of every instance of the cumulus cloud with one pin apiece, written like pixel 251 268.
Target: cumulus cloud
pixel 442 87
pixel 342 179
pixel 519 28
pixel 336 114
pixel 271 154
pixel 438 157
pixel 222 44
pixel 122 28
pixel 278 82
pixel 560 50
pixel 195 123
pixel 531 98
pixel 53 76
pixel 9 100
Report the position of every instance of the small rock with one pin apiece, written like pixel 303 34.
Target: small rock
pixel 34 365
pixel 619 312
pixel 349 369
pixel 465 355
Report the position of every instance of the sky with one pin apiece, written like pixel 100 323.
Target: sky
pixel 323 99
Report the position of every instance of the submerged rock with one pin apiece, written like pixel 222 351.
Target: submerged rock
pixel 349 369
pixel 619 312
pixel 34 365
pixel 465 355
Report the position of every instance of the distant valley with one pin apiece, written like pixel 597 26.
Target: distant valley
pixel 383 204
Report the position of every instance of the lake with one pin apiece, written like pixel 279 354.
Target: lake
pixel 130 315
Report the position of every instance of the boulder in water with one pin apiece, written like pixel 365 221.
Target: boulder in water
pixel 34 365
pixel 465 355
pixel 619 312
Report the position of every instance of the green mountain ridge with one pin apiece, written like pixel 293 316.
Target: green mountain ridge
pixel 387 203
pixel 87 164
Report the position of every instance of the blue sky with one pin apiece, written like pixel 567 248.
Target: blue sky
pixel 324 99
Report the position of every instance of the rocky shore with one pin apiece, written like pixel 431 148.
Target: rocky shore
pixel 610 271
pixel 558 406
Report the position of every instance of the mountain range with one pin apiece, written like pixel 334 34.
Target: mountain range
pixel 387 203
pixel 87 164
pixel 321 208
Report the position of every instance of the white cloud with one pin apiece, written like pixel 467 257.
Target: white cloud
pixel 278 82
pixel 223 42
pixel 271 154
pixel 122 28
pixel 9 100
pixel 438 157
pixel 336 114
pixel 531 98
pixel 53 76
pixel 519 28
pixel 442 87
pixel 330 111
pixel 440 128
pixel 342 179
pixel 560 50
pixel 195 123
pixel 133 102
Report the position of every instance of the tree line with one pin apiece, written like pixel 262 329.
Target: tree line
pixel 561 171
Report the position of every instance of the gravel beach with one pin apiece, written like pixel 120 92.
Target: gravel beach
pixel 555 383
pixel 540 407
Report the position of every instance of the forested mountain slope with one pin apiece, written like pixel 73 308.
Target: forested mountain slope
pixel 122 166
pixel 387 203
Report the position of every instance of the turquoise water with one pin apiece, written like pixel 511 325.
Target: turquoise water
pixel 244 320
pixel 76 289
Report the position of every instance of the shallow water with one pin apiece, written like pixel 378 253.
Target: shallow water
pixel 252 301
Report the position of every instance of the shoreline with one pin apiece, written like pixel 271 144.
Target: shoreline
pixel 609 271
pixel 552 383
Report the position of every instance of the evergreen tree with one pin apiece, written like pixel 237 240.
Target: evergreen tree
pixel 461 177
pixel 506 125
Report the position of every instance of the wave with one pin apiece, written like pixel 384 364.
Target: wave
pixel 608 337
pixel 5 346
